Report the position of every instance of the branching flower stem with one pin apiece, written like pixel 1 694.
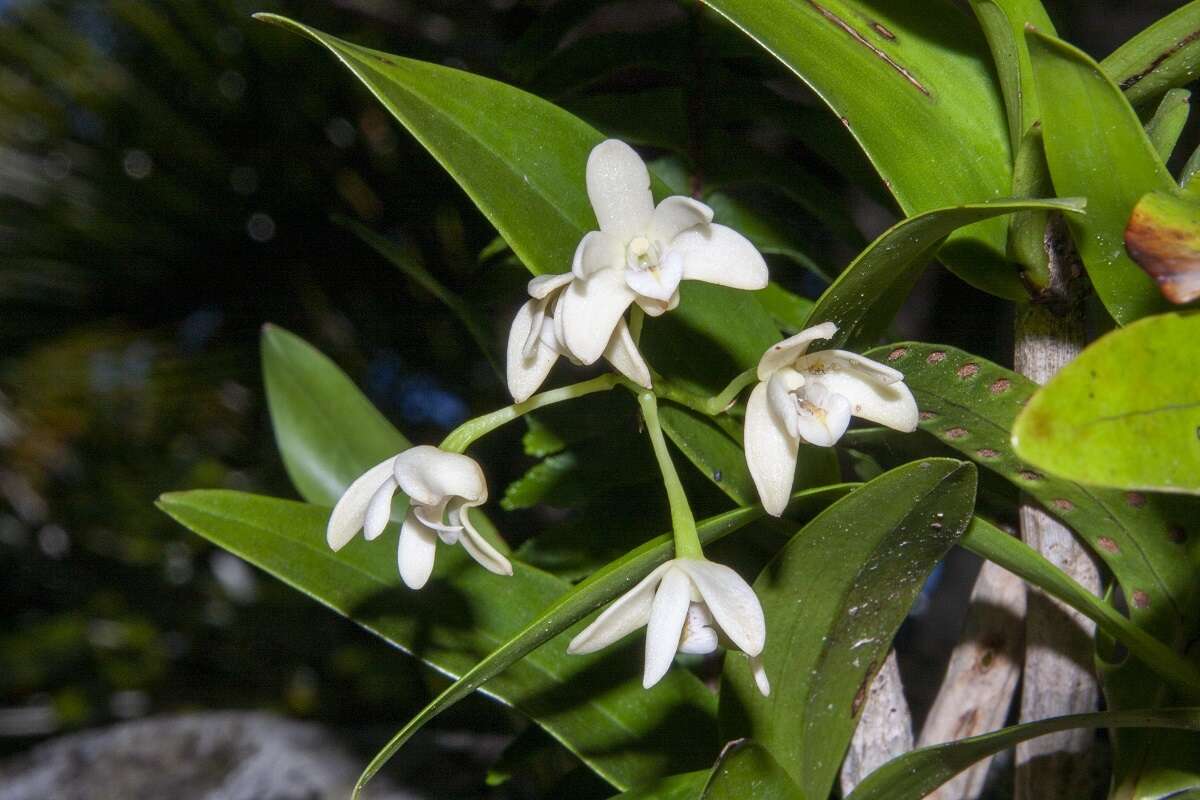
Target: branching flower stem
pixel 462 437
pixel 687 541
pixel 709 406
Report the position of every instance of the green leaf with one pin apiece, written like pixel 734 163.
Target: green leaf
pixel 1096 148
pixel 746 769
pixel 1149 541
pixel 912 82
pixel 988 541
pixel 1167 124
pixel 328 433
pixel 519 158
pixel 624 733
pixel 916 774
pixel 789 310
pixel 855 571
pixel 971 405
pixel 717 456
pixel 1125 413
pixel 867 295
pixel 676 787
pixel 1003 23
pixel 1164 55
pixel 604 585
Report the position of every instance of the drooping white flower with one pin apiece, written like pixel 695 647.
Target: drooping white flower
pixel 441 487
pixel 535 340
pixel 810 397
pixel 641 253
pixel 688 605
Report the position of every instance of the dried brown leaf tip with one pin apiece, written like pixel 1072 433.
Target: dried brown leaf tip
pixel 1163 237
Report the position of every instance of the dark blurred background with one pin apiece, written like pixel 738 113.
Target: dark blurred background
pixel 170 175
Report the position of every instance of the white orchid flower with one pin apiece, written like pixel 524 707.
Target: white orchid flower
pixel 810 397
pixel 641 253
pixel 688 605
pixel 441 487
pixel 535 341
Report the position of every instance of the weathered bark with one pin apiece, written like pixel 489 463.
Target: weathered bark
pixel 884 730
pixel 1058 677
pixel 981 676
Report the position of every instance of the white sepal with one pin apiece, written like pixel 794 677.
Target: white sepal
pixel 350 512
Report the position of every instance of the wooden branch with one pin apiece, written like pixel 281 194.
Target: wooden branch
pixel 884 730
pixel 1059 678
pixel 981 676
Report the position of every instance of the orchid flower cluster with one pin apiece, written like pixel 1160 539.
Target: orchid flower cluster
pixel 637 258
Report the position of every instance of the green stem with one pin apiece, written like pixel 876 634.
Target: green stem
pixel 709 406
pixel 462 437
pixel 683 524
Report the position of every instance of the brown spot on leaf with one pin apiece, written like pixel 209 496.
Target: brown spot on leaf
pixel 927 415
pixel 1141 599
pixel 956 433
pixel 1135 499
pixel 1163 237
pixel 1029 475
pixel 897 354
pixel 1108 545
pixel 1159 59
pixel 883 31
pixel 1177 534
pixel 1001 386
pixel 860 696
pixel 936 357
pixel 967 371
pixel 987 452
pixel 1062 504
pixel 853 33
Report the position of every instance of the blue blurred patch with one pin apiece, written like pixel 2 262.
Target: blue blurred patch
pixel 417 398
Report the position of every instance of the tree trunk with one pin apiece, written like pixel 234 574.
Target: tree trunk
pixel 1058 677
pixel 981 676
pixel 884 730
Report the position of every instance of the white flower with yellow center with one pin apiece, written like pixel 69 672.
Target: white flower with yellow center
pixel 810 397
pixel 441 487
pixel 688 605
pixel 641 253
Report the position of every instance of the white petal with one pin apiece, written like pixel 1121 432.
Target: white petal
pixel 844 360
pixel 716 254
pixel 823 415
pixel 429 475
pixel 656 308
pixel 589 311
pixel 431 517
pixel 733 604
pixel 542 285
pixel 760 675
pixel 667 615
pixel 780 396
pixel 379 510
pixel 618 185
pixel 675 215
pixel 624 615
pixel 787 351
pixel 890 404
pixel 596 251
pixel 770 453
pixel 526 374
pixel 418 545
pixel 350 512
pixel 623 354
pixel 659 283
pixel 481 549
